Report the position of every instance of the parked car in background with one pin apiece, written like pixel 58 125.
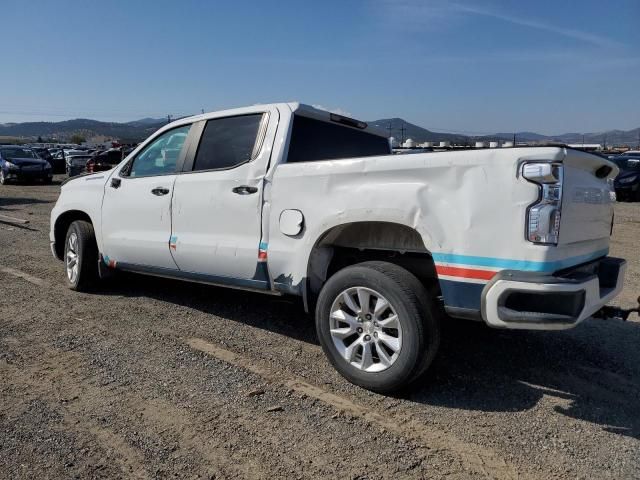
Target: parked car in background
pixel 43 153
pixel 631 153
pixel 57 163
pixel 58 156
pixel 627 183
pixel 76 162
pixel 23 164
pixel 106 160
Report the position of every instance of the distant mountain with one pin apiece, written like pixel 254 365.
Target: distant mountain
pixel 611 137
pixel 147 121
pixel 414 132
pixel 138 130
pixel 520 136
pixel 133 131
pixel 419 134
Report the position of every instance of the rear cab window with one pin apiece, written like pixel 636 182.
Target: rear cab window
pixel 314 140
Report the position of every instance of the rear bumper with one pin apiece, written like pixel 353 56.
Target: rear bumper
pixel 523 300
pixel 20 175
pixel 627 190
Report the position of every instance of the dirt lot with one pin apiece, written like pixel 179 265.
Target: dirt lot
pixel 151 378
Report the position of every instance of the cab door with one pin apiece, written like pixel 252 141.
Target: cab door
pixel 136 210
pixel 217 200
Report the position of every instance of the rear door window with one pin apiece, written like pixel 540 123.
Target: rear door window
pixel 313 140
pixel 229 142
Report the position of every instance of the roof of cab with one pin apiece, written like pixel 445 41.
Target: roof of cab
pixel 295 107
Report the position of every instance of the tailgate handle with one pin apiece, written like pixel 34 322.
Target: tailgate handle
pixel 244 190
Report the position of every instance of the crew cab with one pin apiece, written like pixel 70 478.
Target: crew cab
pixel 286 199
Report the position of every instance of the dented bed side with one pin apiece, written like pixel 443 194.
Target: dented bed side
pixel 467 207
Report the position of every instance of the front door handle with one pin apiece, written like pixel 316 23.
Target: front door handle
pixel 244 190
pixel 159 191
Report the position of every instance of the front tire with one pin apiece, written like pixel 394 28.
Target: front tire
pixel 81 256
pixel 377 325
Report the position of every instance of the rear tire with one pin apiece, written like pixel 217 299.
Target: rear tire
pixel 81 256
pixel 354 309
pixel 3 179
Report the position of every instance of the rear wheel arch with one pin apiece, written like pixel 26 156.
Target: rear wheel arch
pixel 356 242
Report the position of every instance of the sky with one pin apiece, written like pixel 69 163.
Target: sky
pixel 472 67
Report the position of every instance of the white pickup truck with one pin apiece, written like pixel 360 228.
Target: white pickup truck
pixel 288 199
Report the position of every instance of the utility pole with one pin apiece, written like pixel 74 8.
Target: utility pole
pixel 390 127
pixel 514 139
pixel 402 129
pixel 638 139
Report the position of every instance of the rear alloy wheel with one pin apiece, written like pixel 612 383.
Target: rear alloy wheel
pixel 3 179
pixel 81 256
pixel 365 329
pixel 377 325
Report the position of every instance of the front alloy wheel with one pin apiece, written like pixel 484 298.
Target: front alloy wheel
pixel 71 258
pixel 81 256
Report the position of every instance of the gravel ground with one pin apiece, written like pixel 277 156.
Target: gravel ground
pixel 152 378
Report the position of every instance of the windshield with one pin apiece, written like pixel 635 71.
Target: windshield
pixel 628 163
pixel 17 152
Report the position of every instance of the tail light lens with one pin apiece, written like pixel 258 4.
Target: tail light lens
pixel 90 165
pixel 543 217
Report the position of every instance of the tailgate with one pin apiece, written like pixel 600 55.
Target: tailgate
pixel 587 199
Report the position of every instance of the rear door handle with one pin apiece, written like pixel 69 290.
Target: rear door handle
pixel 159 191
pixel 244 190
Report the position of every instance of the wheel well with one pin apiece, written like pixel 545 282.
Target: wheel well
pixel 62 225
pixel 358 242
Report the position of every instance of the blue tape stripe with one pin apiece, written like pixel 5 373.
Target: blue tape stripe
pixel 263 245
pixel 527 265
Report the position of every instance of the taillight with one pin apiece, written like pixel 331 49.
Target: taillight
pixel 90 165
pixel 543 217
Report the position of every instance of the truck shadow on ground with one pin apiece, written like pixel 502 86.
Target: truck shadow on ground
pixel 590 373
